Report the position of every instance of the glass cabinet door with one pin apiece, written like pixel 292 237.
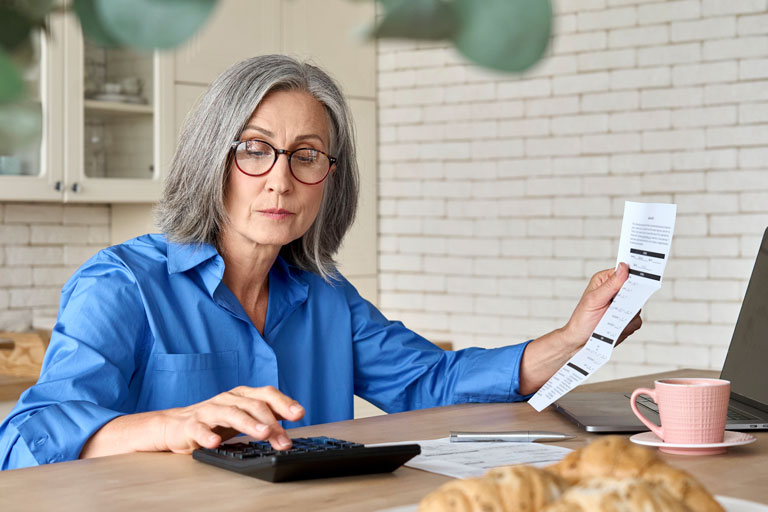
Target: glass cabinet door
pixel 108 129
pixel 117 127
pixel 27 161
pixel 34 172
pixel 118 113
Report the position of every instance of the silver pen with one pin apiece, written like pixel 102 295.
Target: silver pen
pixel 514 436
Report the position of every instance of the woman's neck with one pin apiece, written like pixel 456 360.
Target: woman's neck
pixel 246 273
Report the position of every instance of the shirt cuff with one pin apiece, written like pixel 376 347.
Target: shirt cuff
pixel 494 375
pixel 515 390
pixel 58 432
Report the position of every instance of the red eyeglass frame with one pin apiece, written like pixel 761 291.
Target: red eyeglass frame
pixel 332 160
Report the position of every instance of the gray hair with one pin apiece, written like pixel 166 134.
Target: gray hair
pixel 192 210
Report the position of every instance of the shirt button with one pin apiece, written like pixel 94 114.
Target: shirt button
pixel 40 440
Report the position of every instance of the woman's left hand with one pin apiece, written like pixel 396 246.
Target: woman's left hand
pixel 546 354
pixel 594 303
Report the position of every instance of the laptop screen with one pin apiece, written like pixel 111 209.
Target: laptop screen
pixel 747 360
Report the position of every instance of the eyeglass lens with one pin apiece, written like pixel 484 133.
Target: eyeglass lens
pixel 307 165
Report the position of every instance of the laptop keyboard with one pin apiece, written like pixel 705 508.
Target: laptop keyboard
pixel 739 416
pixel 646 402
pixel 733 414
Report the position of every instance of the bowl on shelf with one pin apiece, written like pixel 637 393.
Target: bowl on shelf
pixel 10 165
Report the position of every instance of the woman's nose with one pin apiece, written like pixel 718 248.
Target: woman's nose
pixel 279 178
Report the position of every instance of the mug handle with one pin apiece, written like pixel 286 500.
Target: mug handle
pixel 656 429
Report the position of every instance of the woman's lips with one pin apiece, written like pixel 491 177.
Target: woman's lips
pixel 276 213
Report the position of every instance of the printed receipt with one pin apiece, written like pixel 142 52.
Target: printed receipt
pixel 464 460
pixel 646 236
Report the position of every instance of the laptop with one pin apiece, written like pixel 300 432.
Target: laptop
pixel 746 366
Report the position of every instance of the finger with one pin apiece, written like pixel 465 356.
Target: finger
pixel 283 406
pixel 608 289
pixel 267 428
pixel 599 278
pixel 231 416
pixel 261 412
pixel 257 408
pixel 203 435
pixel 631 327
pixel 263 426
pixel 273 432
pixel 635 324
pixel 193 435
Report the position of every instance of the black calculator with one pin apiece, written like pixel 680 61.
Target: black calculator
pixel 309 457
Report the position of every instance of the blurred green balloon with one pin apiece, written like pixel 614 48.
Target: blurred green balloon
pixel 11 81
pixel 142 24
pixel 92 25
pixel 14 27
pixel 34 10
pixel 416 19
pixel 506 35
pixel 21 125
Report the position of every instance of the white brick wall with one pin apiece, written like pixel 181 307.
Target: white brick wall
pixel 41 245
pixel 500 195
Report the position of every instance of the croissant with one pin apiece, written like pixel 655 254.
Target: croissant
pixel 617 495
pixel 609 475
pixel 608 456
pixel 502 489
pixel 617 457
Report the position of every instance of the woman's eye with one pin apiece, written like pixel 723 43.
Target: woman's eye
pixel 307 156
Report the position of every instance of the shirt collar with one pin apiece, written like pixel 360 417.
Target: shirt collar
pixel 287 291
pixel 182 257
pixel 287 288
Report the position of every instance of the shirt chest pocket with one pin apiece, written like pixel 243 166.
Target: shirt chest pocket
pixel 178 380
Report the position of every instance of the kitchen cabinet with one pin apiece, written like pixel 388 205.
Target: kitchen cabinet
pixel 108 129
pixel 106 145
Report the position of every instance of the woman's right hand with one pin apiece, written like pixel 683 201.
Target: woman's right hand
pixel 252 411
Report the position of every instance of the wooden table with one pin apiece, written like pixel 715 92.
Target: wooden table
pixel 163 481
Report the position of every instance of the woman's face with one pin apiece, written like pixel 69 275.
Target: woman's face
pixel 275 208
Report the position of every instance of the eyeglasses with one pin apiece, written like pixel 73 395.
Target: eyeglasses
pixel 257 158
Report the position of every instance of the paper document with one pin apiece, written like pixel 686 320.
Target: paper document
pixel 464 460
pixel 646 236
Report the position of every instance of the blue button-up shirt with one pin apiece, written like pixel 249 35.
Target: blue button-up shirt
pixel 149 325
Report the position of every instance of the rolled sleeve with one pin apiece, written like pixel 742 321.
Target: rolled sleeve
pixel 88 374
pixel 398 370
pixel 491 375
pixel 58 432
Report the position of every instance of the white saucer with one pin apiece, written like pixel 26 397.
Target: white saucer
pixel 738 505
pixel 728 503
pixel 730 439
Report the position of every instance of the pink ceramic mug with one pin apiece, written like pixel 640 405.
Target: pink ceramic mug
pixel 692 411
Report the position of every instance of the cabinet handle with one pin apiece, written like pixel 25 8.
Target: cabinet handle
pixel 58 186
pixel 75 187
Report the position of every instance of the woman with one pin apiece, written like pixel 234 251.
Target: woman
pixel 235 318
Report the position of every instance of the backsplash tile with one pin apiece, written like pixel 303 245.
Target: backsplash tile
pixel 41 245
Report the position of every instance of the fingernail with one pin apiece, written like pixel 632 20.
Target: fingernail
pixel 296 408
pixel 213 438
pixel 283 440
pixel 261 427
